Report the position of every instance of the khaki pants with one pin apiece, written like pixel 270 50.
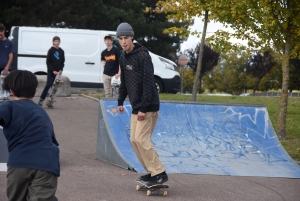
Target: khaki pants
pixel 107 85
pixel 26 184
pixel 140 137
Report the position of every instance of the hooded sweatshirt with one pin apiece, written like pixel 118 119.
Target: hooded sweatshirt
pixel 137 80
pixel 55 59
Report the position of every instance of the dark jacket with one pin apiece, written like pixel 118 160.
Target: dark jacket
pixel 137 80
pixel 55 59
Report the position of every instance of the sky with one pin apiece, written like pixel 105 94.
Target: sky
pixel 212 27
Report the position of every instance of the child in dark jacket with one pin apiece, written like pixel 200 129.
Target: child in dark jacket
pixel 55 64
pixel 33 164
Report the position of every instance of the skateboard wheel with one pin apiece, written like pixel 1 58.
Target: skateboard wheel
pixel 165 193
pixel 148 192
pixel 138 187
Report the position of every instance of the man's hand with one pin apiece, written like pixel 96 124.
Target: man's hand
pixel 120 109
pixel 141 116
pixel 5 70
pixel 55 72
pixel 117 76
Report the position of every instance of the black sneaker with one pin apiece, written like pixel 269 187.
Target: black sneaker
pixel 158 179
pixel 146 177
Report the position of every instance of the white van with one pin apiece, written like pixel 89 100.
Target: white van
pixel 83 56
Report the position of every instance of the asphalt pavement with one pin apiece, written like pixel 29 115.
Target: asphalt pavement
pixel 86 178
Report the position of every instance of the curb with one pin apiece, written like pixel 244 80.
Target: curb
pixel 89 97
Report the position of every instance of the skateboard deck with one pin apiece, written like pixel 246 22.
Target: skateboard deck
pixel 115 85
pixel 56 84
pixel 156 189
pixel 4 95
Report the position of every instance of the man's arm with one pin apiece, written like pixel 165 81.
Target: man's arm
pixel 103 63
pixel 11 56
pixel 119 73
pixel 63 60
pixel 148 80
pixel 48 61
pixel 122 89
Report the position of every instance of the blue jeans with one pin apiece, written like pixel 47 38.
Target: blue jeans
pixel 50 80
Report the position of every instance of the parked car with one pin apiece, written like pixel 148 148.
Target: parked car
pixel 245 94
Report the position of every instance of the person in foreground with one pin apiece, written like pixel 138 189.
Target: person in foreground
pixel 33 164
pixel 137 81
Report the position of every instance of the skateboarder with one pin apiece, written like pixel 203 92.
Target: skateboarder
pixel 55 64
pixel 137 81
pixel 33 163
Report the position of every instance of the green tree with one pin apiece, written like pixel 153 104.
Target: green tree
pixel 259 65
pixel 229 75
pixel 188 80
pixel 209 60
pixel 75 13
pixel 294 82
pixel 98 15
pixel 272 80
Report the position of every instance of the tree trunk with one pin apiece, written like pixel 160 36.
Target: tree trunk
pixel 281 124
pixel 200 84
pixel 256 85
pixel 199 64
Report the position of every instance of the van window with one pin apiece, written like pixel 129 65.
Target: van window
pixel 81 44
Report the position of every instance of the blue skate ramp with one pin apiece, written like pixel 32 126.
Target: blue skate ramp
pixel 200 138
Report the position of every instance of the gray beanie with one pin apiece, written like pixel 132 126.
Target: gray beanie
pixel 124 29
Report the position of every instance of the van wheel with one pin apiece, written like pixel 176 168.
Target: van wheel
pixel 159 86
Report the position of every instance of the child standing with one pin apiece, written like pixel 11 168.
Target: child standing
pixel 55 63
pixel 33 164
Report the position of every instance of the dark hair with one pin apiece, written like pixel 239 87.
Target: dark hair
pixel 108 37
pixel 2 27
pixel 55 38
pixel 22 82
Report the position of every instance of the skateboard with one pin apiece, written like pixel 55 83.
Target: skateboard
pixel 156 189
pixel 56 84
pixel 4 95
pixel 115 85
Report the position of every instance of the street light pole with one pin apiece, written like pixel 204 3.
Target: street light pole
pixel 182 78
pixel 182 60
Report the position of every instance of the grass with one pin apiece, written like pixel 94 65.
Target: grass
pixel 292 141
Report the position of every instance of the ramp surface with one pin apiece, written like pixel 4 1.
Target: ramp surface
pixel 200 139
